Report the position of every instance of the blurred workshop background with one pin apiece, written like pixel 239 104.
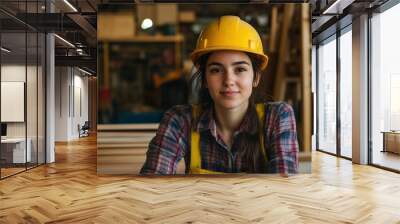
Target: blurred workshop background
pixel 144 66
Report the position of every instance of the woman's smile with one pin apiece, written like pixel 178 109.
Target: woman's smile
pixel 229 93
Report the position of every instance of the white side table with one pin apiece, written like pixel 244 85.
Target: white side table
pixel 19 149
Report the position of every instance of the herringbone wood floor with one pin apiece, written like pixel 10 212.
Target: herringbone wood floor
pixel 69 191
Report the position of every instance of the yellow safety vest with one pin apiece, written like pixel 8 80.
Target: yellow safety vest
pixel 195 152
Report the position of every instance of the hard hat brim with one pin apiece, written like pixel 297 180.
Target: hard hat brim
pixel 195 55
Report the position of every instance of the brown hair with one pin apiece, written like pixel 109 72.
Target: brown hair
pixel 248 145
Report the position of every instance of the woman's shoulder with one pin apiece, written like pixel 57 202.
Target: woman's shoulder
pixel 175 119
pixel 179 111
pixel 279 116
pixel 278 107
pixel 181 108
pixel 278 111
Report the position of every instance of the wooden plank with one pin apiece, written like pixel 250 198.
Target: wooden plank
pixel 116 148
pixel 146 39
pixel 280 84
pixel 121 151
pixel 131 134
pixel 116 160
pixel 122 141
pixel 120 146
pixel 113 26
pixel 306 110
pixel 126 127
pixel 106 67
pixel 274 29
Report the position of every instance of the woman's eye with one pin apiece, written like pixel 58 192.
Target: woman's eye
pixel 241 69
pixel 214 70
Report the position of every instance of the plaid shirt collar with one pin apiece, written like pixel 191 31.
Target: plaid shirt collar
pixel 207 122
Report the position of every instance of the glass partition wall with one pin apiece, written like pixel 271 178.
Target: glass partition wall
pixel 22 94
pixel 334 90
pixel 327 95
pixel 13 110
pixel 345 62
pixel 334 94
pixel 385 89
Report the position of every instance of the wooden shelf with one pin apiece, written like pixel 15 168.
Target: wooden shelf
pixel 126 127
pixel 146 39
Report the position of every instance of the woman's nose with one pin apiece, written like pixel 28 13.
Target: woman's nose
pixel 229 78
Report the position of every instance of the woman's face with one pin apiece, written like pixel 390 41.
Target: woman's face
pixel 230 79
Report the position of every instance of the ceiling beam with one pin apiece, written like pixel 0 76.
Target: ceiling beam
pixel 82 61
pixel 84 24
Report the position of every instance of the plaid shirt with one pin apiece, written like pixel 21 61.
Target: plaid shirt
pixel 172 142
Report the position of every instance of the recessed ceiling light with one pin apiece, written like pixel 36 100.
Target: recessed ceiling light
pixel 337 7
pixel 5 50
pixel 70 5
pixel 84 71
pixel 64 40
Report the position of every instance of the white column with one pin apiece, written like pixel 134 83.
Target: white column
pixel 50 109
pixel 62 103
pixel 314 90
pixel 50 92
pixel 360 90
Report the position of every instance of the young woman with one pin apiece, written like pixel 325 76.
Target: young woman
pixel 226 132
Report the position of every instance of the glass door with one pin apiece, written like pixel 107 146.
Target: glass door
pixel 346 92
pixel 326 60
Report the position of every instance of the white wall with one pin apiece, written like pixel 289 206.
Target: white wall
pixel 62 81
pixel 13 73
pixel 16 73
pixel 71 94
pixel 81 113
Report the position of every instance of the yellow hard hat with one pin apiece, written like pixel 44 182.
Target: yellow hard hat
pixel 229 33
